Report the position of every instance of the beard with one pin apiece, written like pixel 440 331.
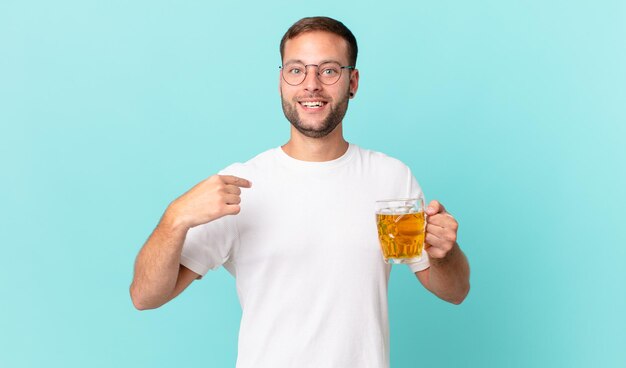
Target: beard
pixel 334 117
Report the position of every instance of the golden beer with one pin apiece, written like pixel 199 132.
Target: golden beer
pixel 401 229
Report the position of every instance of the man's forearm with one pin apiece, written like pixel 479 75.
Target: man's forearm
pixel 157 265
pixel 449 276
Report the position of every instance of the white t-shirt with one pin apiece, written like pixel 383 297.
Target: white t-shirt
pixel 305 254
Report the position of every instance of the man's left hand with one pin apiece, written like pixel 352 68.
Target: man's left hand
pixel 441 230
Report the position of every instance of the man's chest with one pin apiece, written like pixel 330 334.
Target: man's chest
pixel 318 222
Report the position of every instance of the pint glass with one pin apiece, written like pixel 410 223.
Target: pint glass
pixel 401 226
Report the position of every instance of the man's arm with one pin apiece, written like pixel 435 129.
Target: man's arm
pixel 448 275
pixel 447 278
pixel 159 277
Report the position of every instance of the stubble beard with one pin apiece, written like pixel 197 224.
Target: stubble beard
pixel 335 116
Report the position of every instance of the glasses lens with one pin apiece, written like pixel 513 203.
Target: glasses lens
pixel 329 73
pixel 294 73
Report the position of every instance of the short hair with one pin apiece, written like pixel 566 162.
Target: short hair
pixel 324 24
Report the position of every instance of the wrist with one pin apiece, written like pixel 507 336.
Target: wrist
pixel 447 258
pixel 173 221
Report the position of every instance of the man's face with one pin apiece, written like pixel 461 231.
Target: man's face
pixel 313 108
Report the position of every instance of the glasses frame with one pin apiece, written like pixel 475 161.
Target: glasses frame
pixel 317 74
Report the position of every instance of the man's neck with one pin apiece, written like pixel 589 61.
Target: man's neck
pixel 327 148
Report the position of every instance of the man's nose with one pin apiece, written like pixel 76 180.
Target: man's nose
pixel 311 80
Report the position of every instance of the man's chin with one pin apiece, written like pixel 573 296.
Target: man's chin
pixel 314 130
pixel 311 127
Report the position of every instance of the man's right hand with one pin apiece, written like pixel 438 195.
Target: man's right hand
pixel 159 276
pixel 212 198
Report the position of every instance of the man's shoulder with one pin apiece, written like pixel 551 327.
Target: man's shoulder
pixel 380 159
pixel 255 163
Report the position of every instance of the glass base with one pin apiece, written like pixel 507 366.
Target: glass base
pixel 402 260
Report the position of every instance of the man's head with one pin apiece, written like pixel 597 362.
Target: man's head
pixel 322 24
pixel 313 100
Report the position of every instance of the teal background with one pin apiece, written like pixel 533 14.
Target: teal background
pixel 511 113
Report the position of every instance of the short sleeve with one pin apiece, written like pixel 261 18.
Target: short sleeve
pixel 420 265
pixel 414 188
pixel 416 191
pixel 209 245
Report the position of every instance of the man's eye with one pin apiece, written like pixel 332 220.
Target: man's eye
pixel 295 71
pixel 329 72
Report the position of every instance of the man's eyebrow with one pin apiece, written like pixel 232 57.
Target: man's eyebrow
pixel 330 61
pixel 292 61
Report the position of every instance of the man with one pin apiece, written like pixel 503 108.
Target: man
pixel 295 226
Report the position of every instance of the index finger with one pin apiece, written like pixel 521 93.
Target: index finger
pixel 237 181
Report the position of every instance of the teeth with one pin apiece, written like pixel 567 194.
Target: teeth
pixel 312 104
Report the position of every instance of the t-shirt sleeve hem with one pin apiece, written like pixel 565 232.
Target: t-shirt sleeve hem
pixel 193 265
pixel 419 266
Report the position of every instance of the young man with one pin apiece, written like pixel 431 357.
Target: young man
pixel 295 227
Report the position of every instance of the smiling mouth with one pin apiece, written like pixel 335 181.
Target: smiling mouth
pixel 312 104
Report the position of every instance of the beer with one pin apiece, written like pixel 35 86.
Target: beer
pixel 401 235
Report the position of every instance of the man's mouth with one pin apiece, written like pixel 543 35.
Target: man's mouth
pixel 312 104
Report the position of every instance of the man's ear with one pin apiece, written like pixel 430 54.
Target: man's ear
pixel 354 82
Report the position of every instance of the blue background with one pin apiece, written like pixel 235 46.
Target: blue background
pixel 512 113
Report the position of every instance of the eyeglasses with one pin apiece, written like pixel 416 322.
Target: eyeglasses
pixel 328 73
